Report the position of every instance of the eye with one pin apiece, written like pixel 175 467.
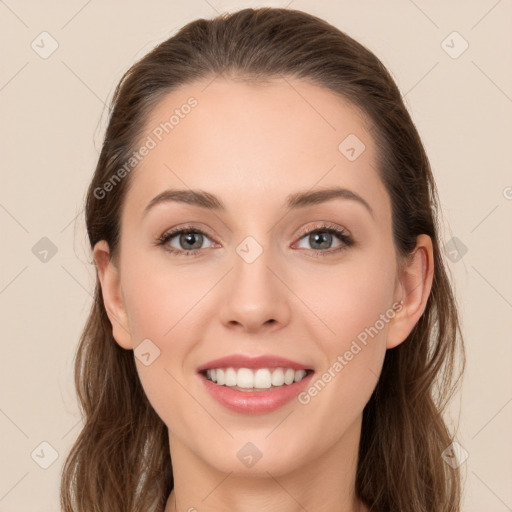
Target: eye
pixel 188 239
pixel 322 237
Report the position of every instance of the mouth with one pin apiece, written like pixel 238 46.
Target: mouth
pixel 248 384
pixel 255 379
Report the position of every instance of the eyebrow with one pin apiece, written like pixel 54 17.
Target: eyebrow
pixel 294 201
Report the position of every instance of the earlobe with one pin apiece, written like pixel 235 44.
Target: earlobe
pixel 110 282
pixel 413 288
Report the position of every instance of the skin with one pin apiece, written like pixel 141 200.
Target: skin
pixel 252 146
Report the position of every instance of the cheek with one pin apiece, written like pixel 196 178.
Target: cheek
pixel 158 296
pixel 346 298
pixel 353 309
pixel 160 306
pixel 163 303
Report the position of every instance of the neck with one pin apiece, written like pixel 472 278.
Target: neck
pixel 323 484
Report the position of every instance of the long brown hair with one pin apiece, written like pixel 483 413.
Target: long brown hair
pixel 121 461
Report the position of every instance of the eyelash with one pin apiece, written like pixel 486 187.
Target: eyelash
pixel 323 228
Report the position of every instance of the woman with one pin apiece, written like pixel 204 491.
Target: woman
pixel 273 326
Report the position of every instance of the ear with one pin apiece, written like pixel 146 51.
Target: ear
pixel 414 283
pixel 112 296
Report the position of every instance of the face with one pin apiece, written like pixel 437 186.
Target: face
pixel 314 282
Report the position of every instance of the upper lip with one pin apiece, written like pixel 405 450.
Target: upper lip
pixel 241 361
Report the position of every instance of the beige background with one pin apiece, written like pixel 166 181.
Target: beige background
pixel 53 117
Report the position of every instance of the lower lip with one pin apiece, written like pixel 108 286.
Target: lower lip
pixel 255 402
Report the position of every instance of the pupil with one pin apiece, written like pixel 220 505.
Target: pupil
pixel 188 238
pixel 318 237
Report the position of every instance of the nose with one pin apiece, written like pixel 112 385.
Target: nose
pixel 255 294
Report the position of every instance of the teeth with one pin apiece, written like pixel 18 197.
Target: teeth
pixel 278 377
pixel 289 376
pixel 244 378
pixel 263 378
pixel 230 377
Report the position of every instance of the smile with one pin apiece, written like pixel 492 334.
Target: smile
pixel 247 379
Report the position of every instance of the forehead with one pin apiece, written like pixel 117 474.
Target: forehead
pixel 255 143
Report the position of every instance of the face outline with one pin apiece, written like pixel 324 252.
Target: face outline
pixel 252 146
